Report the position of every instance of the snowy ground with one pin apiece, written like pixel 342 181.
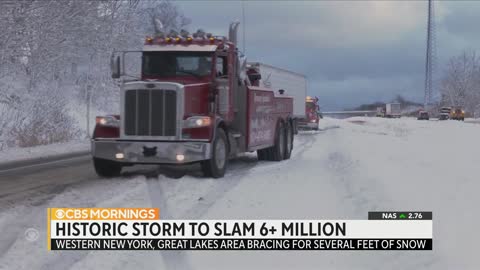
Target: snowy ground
pixel 348 168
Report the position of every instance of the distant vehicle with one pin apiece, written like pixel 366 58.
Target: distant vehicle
pixel 380 112
pixel 312 112
pixel 392 110
pixel 444 113
pixel 423 115
pixel 457 114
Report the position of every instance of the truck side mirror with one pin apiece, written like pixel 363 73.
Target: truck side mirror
pixel 115 67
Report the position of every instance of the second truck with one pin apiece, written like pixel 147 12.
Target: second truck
pixel 197 101
pixel 312 115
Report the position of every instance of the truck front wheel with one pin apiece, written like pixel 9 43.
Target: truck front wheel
pixel 216 166
pixel 106 168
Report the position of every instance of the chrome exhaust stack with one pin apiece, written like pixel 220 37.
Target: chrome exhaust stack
pixel 232 32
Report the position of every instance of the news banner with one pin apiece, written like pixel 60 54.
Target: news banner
pixel 142 229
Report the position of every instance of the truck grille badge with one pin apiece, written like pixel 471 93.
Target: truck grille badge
pixel 149 151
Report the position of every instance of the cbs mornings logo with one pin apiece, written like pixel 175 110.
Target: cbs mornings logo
pixel 104 213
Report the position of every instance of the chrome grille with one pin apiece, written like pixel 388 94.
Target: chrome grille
pixel 150 112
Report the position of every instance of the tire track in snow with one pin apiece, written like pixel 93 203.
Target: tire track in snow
pixel 172 259
pixel 238 171
pixel 157 191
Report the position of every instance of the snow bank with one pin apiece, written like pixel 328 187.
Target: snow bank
pixel 43 151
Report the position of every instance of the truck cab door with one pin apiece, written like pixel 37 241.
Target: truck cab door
pixel 222 81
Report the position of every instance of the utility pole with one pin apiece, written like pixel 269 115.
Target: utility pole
pixel 430 56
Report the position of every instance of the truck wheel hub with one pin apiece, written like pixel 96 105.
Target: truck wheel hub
pixel 220 151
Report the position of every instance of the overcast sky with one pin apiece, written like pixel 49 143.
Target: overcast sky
pixel 351 52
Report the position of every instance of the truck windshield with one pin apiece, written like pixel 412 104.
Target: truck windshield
pixel 168 64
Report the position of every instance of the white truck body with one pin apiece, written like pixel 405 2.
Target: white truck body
pixel 294 84
pixel 392 110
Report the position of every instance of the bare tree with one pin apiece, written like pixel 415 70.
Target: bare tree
pixel 164 16
pixel 460 85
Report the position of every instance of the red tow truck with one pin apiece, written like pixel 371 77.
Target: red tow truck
pixel 312 115
pixel 196 102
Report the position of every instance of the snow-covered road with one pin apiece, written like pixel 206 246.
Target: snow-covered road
pixel 348 168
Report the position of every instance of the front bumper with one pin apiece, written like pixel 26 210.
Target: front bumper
pixel 142 152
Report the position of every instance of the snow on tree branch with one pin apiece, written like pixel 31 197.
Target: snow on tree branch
pixel 55 55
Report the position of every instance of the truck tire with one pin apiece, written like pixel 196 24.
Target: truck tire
pixel 278 150
pixel 216 166
pixel 106 168
pixel 288 141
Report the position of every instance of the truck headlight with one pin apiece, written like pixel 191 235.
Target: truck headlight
pixel 107 121
pixel 180 157
pixel 197 121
